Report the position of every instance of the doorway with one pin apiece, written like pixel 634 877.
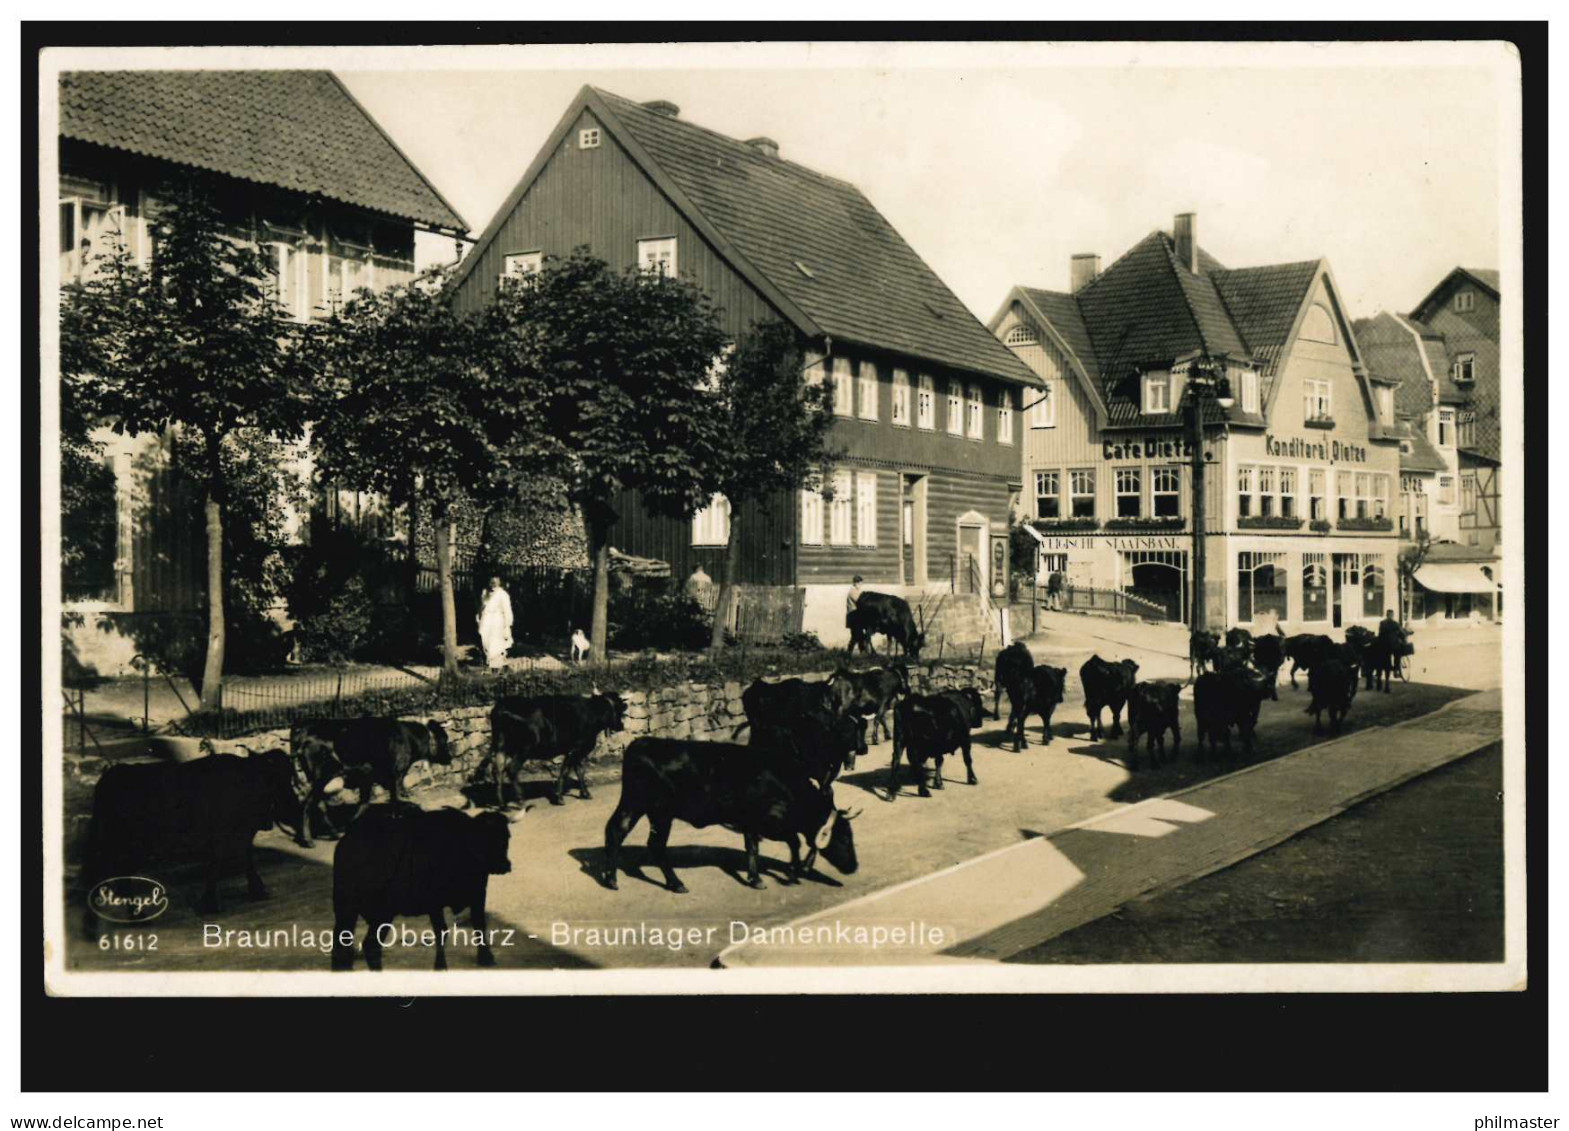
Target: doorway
pixel 1346 595
pixel 972 561
pixel 912 529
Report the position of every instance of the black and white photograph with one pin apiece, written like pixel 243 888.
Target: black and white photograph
pixel 719 518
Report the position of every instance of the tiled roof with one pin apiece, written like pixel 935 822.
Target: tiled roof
pixel 1147 309
pixel 866 285
pixel 296 130
pixel 1422 456
pixel 1484 277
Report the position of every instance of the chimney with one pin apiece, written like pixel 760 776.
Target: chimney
pixel 1185 234
pixel 660 106
pixel 767 146
pixel 1084 269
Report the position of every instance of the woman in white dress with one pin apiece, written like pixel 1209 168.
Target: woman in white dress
pixel 495 625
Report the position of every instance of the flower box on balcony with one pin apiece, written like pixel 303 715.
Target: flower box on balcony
pixel 1325 422
pixel 1367 524
pixel 1065 525
pixel 1319 526
pixel 1165 522
pixel 1268 522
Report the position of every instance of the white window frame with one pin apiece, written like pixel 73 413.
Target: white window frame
pixel 1316 399
pixel 1043 413
pixel 975 414
pixel 1288 491
pixel 866 508
pixel 1320 496
pixel 1173 475
pixel 1074 494
pixel 901 398
pixel 811 517
pixel 1157 383
pixel 1345 497
pixel 955 408
pixel 521 264
pixel 866 383
pixel 844 387
pixel 1268 478
pixel 1020 335
pixel 1446 490
pixel 1249 381
pixel 295 312
pixel 1005 416
pixel 1055 478
pixel 1120 477
pixel 1465 301
pixel 1446 428
pixel 1463 371
pixel 926 403
pixel 657 255
pixel 1247 487
pixel 711 525
pixel 589 138
pixel 841 517
pixel 1380 507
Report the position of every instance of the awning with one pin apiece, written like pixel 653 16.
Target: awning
pixel 1454 577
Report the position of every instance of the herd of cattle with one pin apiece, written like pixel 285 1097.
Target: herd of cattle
pixel 399 860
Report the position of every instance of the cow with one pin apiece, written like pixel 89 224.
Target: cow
pixel 403 860
pixel 542 728
pixel 821 741
pixel 1358 640
pixel 1152 710
pixel 1240 638
pixel 1268 657
pixel 207 810
pixel 1106 685
pixel 1333 685
pixel 1011 670
pixel 364 753
pixel 1203 648
pixel 1040 694
pixel 890 616
pixel 1222 700
pixel 932 727
pixel 1304 650
pixel 763 794
pixel 768 703
pixel 872 692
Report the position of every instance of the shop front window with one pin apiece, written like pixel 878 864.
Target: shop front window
pixel 1372 586
pixel 1261 585
pixel 1315 588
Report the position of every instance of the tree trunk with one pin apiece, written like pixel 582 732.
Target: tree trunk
pixel 212 671
pixel 599 546
pixel 411 564
pixel 727 585
pixel 449 607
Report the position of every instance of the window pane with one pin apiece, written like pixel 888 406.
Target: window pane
pixel 866 508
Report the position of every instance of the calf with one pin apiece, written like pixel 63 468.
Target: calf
pixel 1203 647
pixel 1304 650
pixel 542 728
pixel 1222 700
pixel 1152 710
pixel 870 693
pixel 1333 685
pixel 1011 672
pixel 207 810
pixel 401 860
pixel 363 752
pixel 761 794
pixel 1106 685
pixel 1040 695
pixel 1268 656
pixel 887 615
pixel 932 727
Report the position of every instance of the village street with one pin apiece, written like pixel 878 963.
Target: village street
pixel 562 917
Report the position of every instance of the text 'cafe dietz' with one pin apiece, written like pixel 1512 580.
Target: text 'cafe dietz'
pixel 1306 538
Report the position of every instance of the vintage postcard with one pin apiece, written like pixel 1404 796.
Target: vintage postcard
pixel 714 518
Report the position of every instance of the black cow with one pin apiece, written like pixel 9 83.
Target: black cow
pixel 890 616
pixel 207 810
pixel 1222 700
pixel 1203 648
pixel 401 860
pixel 542 728
pixel 1240 638
pixel 1012 670
pixel 775 703
pixel 1304 650
pixel 762 794
pixel 1358 641
pixel 820 741
pixel 1152 710
pixel 932 727
pixel 1106 685
pixel 1040 695
pixel 870 693
pixel 1333 685
pixel 364 753
pixel 1268 656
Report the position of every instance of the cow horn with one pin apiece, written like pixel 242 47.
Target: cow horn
pixel 852 816
pixel 826 833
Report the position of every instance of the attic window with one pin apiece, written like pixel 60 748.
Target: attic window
pixel 1405 447
pixel 1463 370
pixel 804 269
pixel 1465 301
pixel 588 139
pixel 1020 335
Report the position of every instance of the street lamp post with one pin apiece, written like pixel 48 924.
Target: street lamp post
pixel 1206 380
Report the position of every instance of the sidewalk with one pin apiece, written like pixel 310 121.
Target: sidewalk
pixel 999 904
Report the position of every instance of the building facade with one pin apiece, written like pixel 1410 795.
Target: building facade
pixel 305 174
pixel 1445 358
pixel 926 401
pixel 1301 473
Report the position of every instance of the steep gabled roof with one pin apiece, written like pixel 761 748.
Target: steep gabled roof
pixel 1483 277
pixel 296 130
pixel 1393 347
pixel 1422 457
pixel 813 244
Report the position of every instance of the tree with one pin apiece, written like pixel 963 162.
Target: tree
pixel 615 364
pixel 1410 561
pixel 198 343
pixel 776 428
pixel 406 403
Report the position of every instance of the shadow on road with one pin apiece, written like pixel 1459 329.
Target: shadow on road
pixel 637 863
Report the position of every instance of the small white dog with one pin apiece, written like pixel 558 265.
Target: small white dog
pixel 580 646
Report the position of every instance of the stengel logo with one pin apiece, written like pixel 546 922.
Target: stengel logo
pixel 129 899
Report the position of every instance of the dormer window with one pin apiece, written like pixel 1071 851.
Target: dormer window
pixel 1157 392
pixel 588 139
pixel 1465 302
pixel 1463 371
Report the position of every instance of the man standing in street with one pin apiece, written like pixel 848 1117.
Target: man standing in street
pixel 853 598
